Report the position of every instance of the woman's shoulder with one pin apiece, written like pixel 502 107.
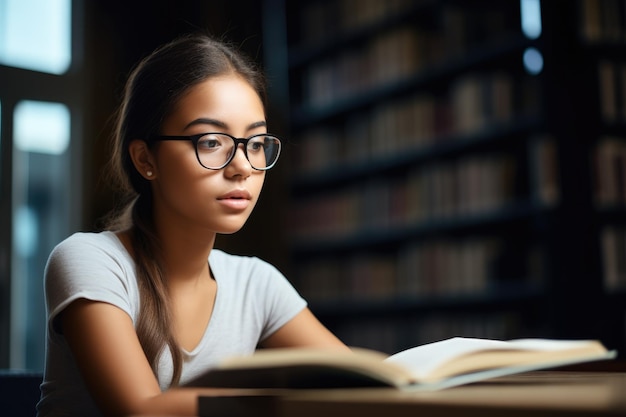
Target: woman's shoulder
pixel 94 266
pixel 85 243
pixel 89 259
pixel 105 238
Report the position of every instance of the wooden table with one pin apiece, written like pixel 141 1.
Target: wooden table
pixel 536 394
pixel 533 394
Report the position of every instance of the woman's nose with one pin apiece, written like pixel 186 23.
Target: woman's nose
pixel 240 164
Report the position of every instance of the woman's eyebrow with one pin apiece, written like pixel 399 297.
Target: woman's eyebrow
pixel 206 121
pixel 222 125
pixel 260 123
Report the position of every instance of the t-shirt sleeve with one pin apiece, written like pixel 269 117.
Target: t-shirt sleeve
pixel 86 266
pixel 282 302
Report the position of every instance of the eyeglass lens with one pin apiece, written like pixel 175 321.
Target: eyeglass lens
pixel 215 150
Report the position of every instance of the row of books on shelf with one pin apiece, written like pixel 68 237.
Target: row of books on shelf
pixel 389 57
pixel 400 54
pixel 475 103
pixel 445 267
pixel 472 185
pixel 322 21
pixel 609 172
pixel 612 90
pixel 603 21
pixel 614 257
pixel 457 27
pixel 395 334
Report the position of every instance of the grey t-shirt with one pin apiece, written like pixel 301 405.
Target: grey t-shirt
pixel 253 301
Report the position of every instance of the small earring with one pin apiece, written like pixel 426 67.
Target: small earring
pixel 149 173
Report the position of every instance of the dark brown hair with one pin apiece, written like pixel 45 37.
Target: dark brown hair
pixel 152 91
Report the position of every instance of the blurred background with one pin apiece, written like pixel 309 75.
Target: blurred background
pixel 451 168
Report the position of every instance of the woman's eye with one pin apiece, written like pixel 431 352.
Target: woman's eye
pixel 256 145
pixel 209 143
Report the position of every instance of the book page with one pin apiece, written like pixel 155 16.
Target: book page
pixel 422 360
pixel 437 359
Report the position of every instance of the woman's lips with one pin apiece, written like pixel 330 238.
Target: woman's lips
pixel 237 199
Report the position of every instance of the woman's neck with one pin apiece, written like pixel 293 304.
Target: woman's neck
pixel 185 253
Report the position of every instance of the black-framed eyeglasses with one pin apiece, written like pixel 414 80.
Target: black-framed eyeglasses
pixel 216 150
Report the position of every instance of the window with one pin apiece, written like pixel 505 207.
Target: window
pixel 40 162
pixel 40 201
pixel 36 34
pixel 41 127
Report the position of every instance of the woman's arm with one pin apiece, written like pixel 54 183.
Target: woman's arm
pixel 304 330
pixel 108 353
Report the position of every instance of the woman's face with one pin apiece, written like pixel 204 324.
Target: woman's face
pixel 190 195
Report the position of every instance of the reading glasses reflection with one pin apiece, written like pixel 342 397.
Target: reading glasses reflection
pixel 216 150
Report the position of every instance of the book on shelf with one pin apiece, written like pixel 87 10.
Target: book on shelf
pixel 433 366
pixel 613 247
pixel 609 171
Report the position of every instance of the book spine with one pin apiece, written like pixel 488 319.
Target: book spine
pixel 609 173
pixel 544 171
pixel 614 258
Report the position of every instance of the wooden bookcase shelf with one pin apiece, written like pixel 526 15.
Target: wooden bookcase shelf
pixel 390 236
pixel 438 186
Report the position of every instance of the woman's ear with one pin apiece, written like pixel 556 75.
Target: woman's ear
pixel 142 158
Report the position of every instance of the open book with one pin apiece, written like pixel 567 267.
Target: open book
pixel 432 366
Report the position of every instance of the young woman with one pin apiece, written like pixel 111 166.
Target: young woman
pixel 138 310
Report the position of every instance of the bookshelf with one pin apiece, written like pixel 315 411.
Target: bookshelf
pixel 439 186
